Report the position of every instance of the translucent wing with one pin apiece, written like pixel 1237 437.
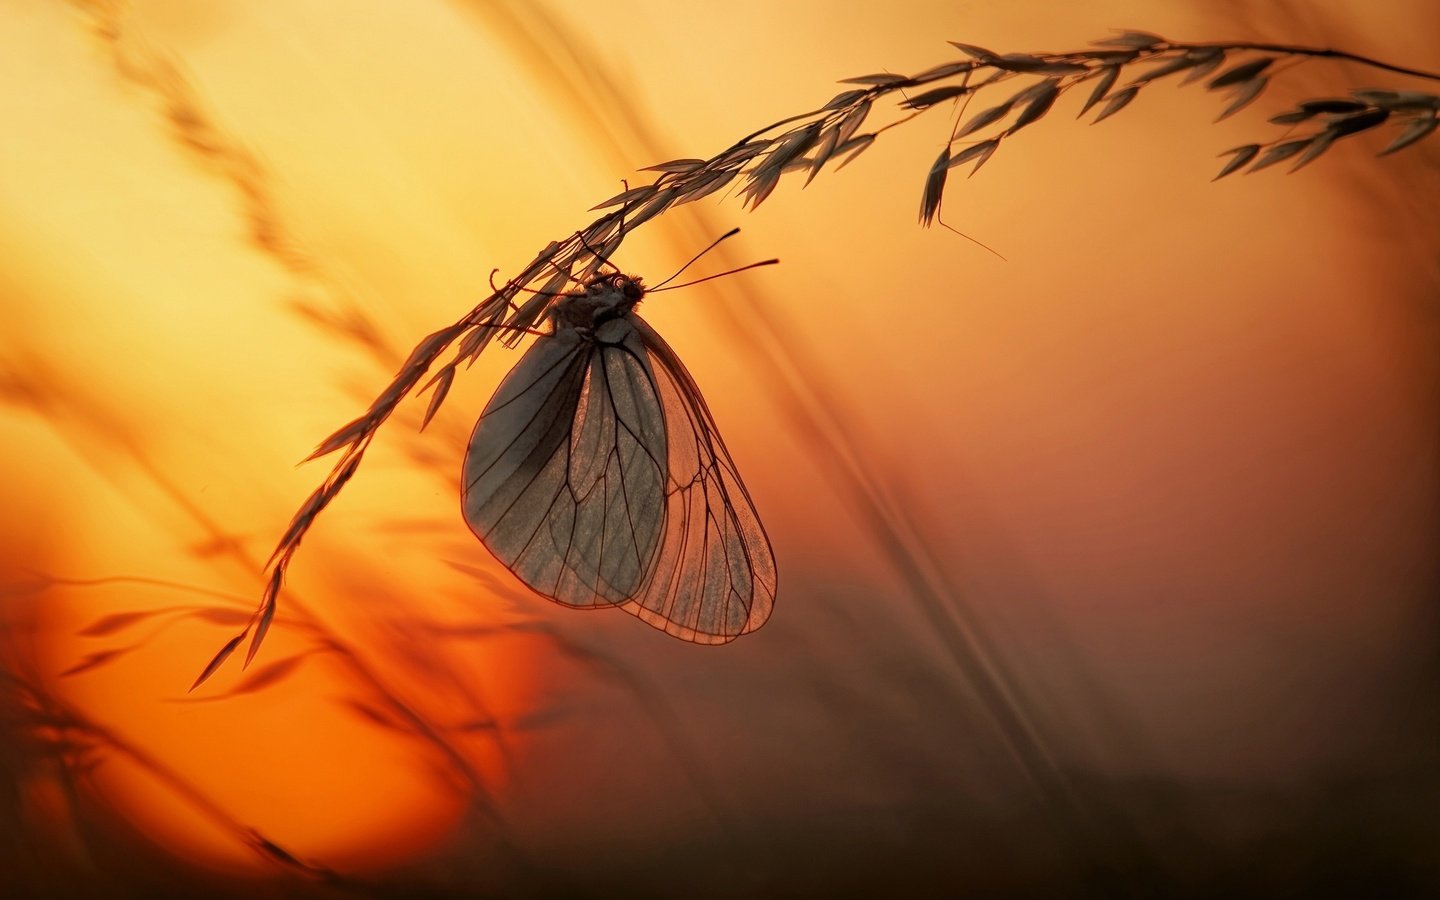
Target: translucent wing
pixel 597 475
pixel 564 477
pixel 713 577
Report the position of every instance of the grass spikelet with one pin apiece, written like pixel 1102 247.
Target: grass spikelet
pixel 760 161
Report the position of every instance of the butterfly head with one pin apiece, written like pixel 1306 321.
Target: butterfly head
pixel 605 297
pixel 617 289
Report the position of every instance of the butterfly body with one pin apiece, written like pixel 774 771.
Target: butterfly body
pixel 597 476
pixel 606 299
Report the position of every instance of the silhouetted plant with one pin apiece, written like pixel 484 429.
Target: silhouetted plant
pixel 809 141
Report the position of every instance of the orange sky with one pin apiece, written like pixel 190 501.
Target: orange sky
pixel 1166 475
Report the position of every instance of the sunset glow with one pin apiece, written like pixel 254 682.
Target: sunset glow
pixel 1149 506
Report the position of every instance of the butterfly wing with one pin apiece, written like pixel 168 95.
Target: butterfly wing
pixel 713 577
pixel 564 476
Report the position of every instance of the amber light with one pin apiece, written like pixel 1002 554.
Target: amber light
pixel 1147 509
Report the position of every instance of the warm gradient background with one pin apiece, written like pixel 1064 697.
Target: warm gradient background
pixel 1113 565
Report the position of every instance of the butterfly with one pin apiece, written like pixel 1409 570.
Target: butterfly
pixel 596 474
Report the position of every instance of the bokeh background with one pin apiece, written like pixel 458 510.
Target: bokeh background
pixel 1107 569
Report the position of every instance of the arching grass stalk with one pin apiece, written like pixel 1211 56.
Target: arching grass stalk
pixel 834 133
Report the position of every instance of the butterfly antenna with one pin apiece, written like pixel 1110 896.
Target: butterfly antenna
pixel 754 265
pixel 713 244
